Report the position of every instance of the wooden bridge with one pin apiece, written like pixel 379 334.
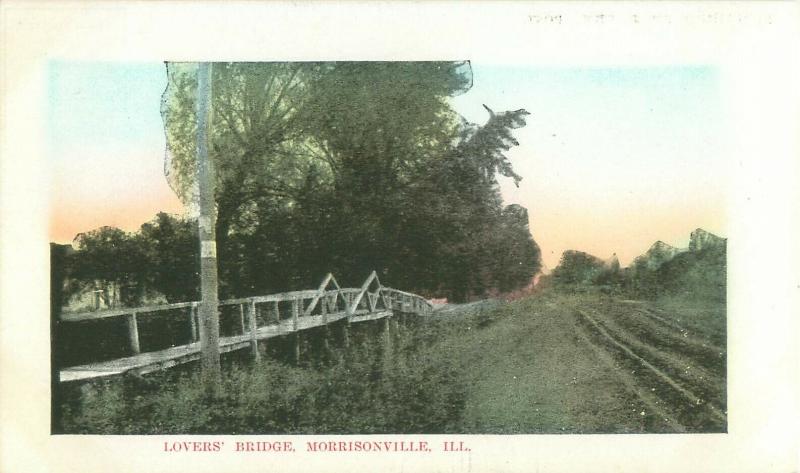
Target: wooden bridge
pixel 259 318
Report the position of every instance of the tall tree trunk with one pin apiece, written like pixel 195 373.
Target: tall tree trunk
pixel 209 316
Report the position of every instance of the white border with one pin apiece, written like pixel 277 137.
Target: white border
pixel 755 44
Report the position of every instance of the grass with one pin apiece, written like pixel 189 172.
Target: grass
pixel 527 369
pixel 366 389
pixel 702 315
pixel 506 368
pixel 528 373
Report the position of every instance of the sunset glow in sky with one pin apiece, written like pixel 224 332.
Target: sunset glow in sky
pixel 612 159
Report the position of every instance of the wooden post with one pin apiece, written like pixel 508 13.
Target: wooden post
pixel 253 326
pixel 209 305
pixel 346 333
pixel 325 339
pixel 133 333
pixel 241 318
pixel 324 309
pixel 297 340
pixel 192 323
pixel 387 340
pixel 198 325
pixel 277 311
pixel 326 330
pixel 395 327
pixel 295 313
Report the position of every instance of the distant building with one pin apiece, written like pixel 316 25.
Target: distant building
pixel 701 239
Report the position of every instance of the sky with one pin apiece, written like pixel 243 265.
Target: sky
pixel 612 159
pixel 106 147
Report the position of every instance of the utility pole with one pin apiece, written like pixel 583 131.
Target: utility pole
pixel 209 315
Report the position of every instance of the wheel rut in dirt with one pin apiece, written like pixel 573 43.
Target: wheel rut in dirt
pixel 693 371
pixel 688 387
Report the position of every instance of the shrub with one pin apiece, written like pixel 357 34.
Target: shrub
pixel 370 389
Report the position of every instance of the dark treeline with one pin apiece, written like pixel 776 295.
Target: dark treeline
pixel 160 259
pixel 329 167
pixel 693 273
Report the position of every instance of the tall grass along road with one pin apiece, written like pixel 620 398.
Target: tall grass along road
pixel 548 363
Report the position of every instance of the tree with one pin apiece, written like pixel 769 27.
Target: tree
pixel 111 261
pixel 461 236
pixel 516 255
pixel 255 107
pixel 577 267
pixel 374 128
pixel 170 245
pixel 349 167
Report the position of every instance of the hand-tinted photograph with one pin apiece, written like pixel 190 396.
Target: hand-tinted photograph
pixel 386 248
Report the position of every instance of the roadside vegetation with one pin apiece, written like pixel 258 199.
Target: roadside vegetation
pixel 532 365
pixel 697 273
pixel 369 388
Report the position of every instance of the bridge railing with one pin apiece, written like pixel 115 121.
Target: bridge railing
pixel 328 303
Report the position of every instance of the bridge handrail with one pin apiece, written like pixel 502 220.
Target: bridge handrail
pixel 313 294
pixel 102 314
pixel 409 294
pixel 248 312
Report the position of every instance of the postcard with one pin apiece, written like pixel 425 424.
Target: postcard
pixel 345 236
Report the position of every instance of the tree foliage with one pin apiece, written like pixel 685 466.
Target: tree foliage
pixel 340 167
pixel 577 267
pixel 110 261
pixel 170 245
pixel 160 260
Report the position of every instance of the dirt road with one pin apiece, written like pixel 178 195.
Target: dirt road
pixel 594 364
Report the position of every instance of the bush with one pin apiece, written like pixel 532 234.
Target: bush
pixel 369 390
